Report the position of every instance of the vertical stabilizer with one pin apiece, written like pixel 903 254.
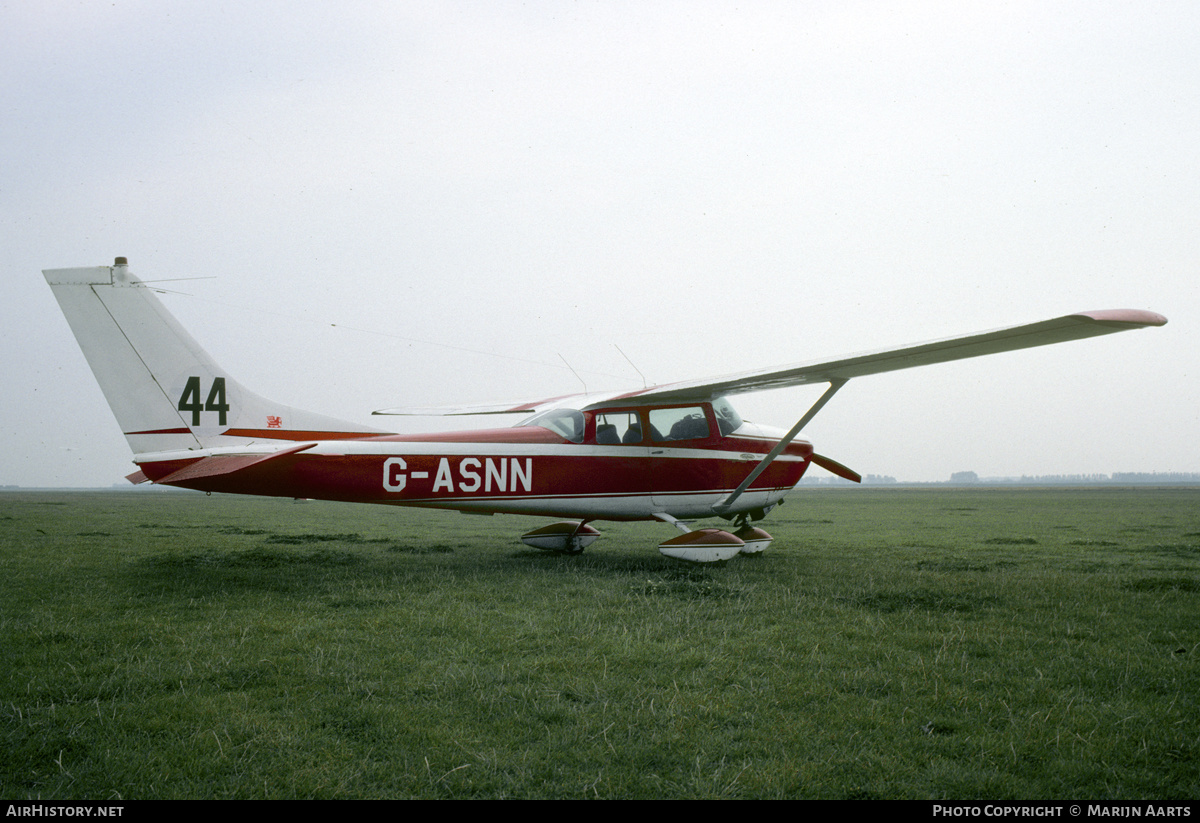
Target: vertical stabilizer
pixel 164 389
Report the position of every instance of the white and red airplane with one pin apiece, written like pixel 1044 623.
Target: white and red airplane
pixel 673 453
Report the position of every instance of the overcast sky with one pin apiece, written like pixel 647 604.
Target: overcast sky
pixel 432 203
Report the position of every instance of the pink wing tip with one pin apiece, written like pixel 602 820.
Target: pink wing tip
pixel 1133 317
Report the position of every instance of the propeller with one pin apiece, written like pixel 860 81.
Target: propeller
pixel 834 467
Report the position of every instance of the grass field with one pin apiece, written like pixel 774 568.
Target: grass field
pixel 894 643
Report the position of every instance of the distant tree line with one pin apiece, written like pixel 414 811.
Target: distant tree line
pixel 1123 478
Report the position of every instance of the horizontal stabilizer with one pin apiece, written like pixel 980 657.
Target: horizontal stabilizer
pixel 221 464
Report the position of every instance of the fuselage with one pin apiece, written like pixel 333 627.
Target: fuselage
pixel 615 463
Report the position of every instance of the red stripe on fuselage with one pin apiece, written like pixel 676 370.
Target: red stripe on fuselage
pixel 272 434
pixel 449 474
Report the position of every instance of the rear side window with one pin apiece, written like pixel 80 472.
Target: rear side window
pixel 615 428
pixel 678 424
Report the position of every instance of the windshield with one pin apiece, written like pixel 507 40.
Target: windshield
pixel 728 420
pixel 566 423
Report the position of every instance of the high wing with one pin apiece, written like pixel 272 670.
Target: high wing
pixel 521 407
pixel 1059 330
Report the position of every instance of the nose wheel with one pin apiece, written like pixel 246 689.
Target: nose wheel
pixel 755 539
pixel 712 545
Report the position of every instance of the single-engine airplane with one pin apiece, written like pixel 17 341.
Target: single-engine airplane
pixel 674 452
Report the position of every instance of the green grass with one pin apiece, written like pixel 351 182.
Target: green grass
pixel 899 643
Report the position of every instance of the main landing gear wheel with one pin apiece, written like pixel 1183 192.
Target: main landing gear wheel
pixel 755 539
pixel 566 537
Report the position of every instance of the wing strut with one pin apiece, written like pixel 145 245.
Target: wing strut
pixel 723 505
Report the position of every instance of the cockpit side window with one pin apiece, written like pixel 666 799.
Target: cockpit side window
pixel 687 423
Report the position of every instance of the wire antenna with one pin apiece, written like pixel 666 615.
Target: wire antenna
pixel 635 368
pixel 577 377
